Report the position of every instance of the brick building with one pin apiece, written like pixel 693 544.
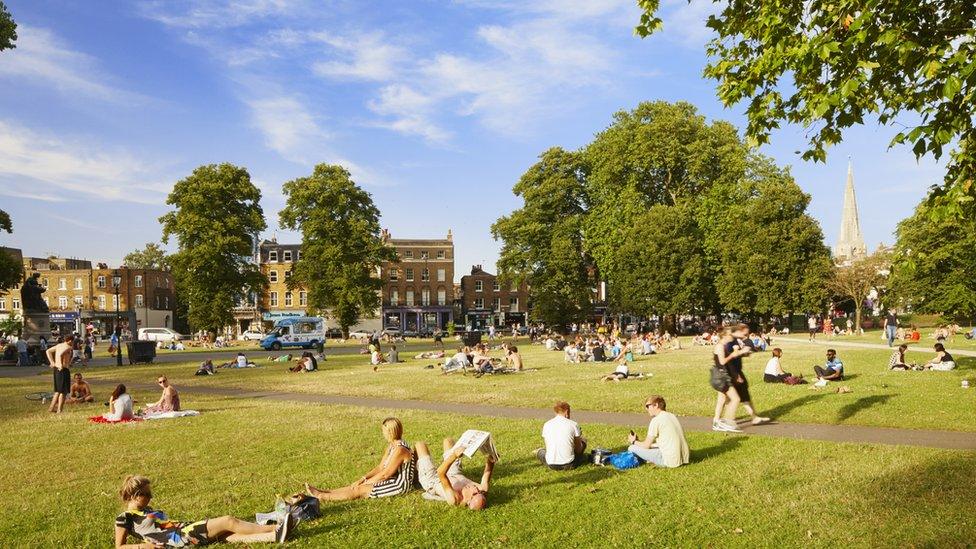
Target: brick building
pixel 486 301
pixel 418 289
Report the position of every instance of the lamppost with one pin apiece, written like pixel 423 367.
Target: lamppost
pixel 117 284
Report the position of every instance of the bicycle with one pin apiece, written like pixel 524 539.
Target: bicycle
pixel 42 396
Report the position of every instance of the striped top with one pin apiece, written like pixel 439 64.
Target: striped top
pixel 401 481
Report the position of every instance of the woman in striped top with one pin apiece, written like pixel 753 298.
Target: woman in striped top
pixel 393 476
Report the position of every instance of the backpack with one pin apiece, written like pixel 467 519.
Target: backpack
pixel 623 460
pixel 306 508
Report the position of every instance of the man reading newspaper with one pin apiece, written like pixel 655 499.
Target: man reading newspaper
pixel 447 483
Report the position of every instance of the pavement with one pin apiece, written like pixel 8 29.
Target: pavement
pixel 855 434
pixel 227 356
pixel 917 346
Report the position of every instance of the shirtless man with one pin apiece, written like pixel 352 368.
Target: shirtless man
pixel 514 358
pixel 446 483
pixel 59 358
pixel 80 391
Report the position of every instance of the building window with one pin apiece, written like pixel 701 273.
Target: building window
pixel 273 255
pixel 272 276
pixel 140 300
pixel 3 304
pixel 101 281
pixel 138 281
pixel 287 275
pixel 62 302
pixel 479 303
pixel 479 286
pixel 441 297
pixel 101 302
pixel 408 274
pixel 274 299
pixel 78 283
pixel 394 297
pixel 62 283
pixel 408 254
pixel 298 255
pixel 409 298
pixel 116 302
pixel 394 274
pixel 78 301
pixel 495 286
pixel 425 297
pixel 286 255
pixel 513 305
pixel 425 275
pixel 287 299
pixel 157 302
pixel 15 304
pixel 441 275
pixel 440 254
pixel 497 304
pixel 424 255
pixel 166 302
pixel 302 298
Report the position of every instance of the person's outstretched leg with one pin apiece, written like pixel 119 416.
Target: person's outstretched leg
pixel 236 530
pixel 346 493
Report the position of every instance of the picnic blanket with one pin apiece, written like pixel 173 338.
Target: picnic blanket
pixel 171 415
pixel 102 419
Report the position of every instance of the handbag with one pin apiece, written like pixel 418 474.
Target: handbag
pixel 720 379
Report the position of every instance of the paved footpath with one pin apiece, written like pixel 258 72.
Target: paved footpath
pixel 802 431
pixel 917 346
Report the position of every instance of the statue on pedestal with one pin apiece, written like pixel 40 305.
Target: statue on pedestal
pixel 30 295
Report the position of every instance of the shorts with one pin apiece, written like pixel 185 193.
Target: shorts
pixel 185 534
pixel 429 481
pixel 62 381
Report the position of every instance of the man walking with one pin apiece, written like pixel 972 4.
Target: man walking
pixel 812 327
pixel 59 358
pixel 891 326
pixel 22 356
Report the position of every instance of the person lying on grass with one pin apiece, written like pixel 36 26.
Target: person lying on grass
pixel 155 530
pixel 622 371
pixel 80 391
pixel 392 477
pixel 306 363
pixel 206 368
pixel 447 483
pixel 169 401
pixel 665 444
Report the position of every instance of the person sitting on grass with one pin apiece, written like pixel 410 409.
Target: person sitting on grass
pixel 393 356
pixel 306 363
pixel 392 477
pixel 513 358
pixel 375 356
pixel 447 483
pixel 943 361
pixel 621 373
pixel 832 370
pixel 897 360
pixel 665 444
pixel 80 391
pixel 774 370
pixel 971 334
pixel 460 361
pixel 120 404
pixel 564 443
pixel 206 368
pixel 571 354
pixel 169 401
pixel 550 343
pixel 155 530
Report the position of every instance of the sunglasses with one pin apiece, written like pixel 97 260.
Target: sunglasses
pixel 160 381
pixel 648 405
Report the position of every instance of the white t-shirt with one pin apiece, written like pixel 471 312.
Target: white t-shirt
pixel 559 434
pixel 772 367
pixel 622 368
pixel 241 361
pixel 121 408
pixel 667 434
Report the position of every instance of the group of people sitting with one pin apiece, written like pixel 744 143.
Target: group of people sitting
pixel 478 359
pixel 121 404
pixel 943 361
pixel 831 370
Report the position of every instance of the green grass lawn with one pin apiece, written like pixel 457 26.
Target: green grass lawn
pixel 880 397
pixel 61 475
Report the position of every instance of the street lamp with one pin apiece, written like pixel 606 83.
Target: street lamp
pixel 117 284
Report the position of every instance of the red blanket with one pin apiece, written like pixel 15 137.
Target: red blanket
pixel 101 419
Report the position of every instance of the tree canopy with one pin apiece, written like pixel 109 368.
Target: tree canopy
pixel 8 29
pixel 342 248
pixel 855 281
pixel 215 219
pixel 828 66
pixel 151 257
pixel 11 270
pixel 542 242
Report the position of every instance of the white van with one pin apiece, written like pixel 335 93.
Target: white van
pixel 305 332
pixel 159 334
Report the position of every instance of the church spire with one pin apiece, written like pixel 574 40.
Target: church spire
pixel 850 242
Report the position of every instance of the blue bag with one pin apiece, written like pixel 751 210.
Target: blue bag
pixel 623 460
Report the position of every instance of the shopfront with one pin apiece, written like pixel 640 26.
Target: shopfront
pixel 270 317
pixel 64 323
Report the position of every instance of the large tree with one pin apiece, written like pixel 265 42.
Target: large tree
pixel 830 65
pixel 657 154
pixel 935 264
pixel 662 270
pixel 215 219
pixel 342 248
pixel 8 29
pixel 542 242
pixel 11 270
pixel 855 281
pixel 770 253
pixel 151 257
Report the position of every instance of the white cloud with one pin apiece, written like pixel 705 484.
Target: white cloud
pixel 43 58
pixel 371 57
pixel 50 168
pixel 196 14
pixel 684 21
pixel 288 127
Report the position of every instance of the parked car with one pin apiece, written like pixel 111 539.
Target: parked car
pixel 359 334
pixel 160 334
pixel 252 335
pixel 333 333
pixel 390 332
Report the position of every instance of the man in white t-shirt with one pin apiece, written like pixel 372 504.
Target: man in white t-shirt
pixel 665 445
pixel 565 445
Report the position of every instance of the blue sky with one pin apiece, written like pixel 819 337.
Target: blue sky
pixel 436 107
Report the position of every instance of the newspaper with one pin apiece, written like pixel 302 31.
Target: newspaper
pixel 473 440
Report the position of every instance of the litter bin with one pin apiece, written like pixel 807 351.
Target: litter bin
pixel 472 338
pixel 141 351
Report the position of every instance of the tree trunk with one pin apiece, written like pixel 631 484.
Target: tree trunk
pixel 857 318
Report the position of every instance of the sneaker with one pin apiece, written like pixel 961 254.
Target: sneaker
pixel 285 526
pixel 717 425
pixel 730 426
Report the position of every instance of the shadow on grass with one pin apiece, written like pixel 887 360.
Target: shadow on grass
pixel 792 405
pixel 965 363
pixel 585 475
pixel 703 454
pixel 861 404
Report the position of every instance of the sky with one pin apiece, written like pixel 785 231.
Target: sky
pixel 435 107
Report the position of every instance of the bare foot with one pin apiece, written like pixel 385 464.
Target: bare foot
pixel 313 491
pixel 760 420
